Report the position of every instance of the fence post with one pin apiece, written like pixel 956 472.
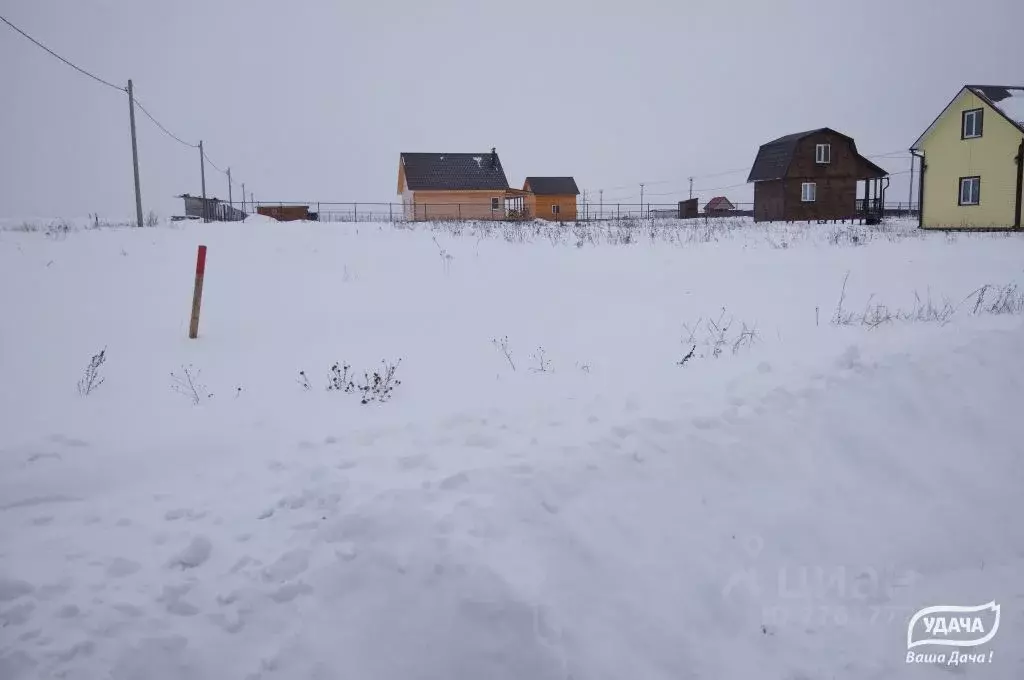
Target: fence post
pixel 460 210
pixel 391 215
pixel 197 293
pixel 616 211
pixel 355 212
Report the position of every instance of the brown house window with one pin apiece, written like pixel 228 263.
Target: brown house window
pixel 823 154
pixel 555 208
pixel 971 123
pixel 970 191
pixel 808 192
pixel 495 204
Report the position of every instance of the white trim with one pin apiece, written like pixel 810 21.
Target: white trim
pixel 823 158
pixel 968 182
pixel 973 115
pixel 809 192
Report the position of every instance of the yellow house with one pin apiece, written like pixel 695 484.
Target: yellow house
pixel 972 161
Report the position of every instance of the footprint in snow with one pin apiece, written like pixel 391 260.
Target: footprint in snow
pixel 68 611
pixel 12 589
pixel 68 441
pixel 33 501
pixel 454 482
pixel 414 461
pixel 120 567
pixel 17 615
pixel 287 567
pixel 36 457
pixel 195 554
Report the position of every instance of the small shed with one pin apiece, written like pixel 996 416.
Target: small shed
pixel 216 209
pixel 552 198
pixel 285 213
pixel 688 209
pixel 813 175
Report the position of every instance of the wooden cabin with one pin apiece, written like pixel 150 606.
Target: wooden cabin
pixel 456 186
pixel 814 175
pixel 551 198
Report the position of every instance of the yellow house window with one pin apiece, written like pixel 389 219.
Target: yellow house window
pixel 970 191
pixel 495 204
pixel 555 208
pixel 972 124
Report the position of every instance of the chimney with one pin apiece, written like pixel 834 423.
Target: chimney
pixel 494 158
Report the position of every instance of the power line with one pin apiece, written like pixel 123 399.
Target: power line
pixel 672 193
pixel 212 163
pixel 167 132
pixel 54 54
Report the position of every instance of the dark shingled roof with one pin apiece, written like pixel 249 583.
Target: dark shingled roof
pixel 773 158
pixel 719 203
pixel 454 171
pixel 1006 99
pixel 552 186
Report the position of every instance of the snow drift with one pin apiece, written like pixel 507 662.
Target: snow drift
pixel 579 504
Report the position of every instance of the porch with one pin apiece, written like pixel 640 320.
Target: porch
pixel 517 205
pixel 871 206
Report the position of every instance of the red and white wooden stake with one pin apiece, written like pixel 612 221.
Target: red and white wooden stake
pixel 197 295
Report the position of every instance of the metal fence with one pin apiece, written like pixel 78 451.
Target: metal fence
pixel 336 211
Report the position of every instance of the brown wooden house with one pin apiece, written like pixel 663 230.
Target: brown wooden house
pixel 551 198
pixel 813 175
pixel 452 186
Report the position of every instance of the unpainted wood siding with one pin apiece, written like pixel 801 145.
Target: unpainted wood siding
pixel 836 181
pixel 835 199
pixel 768 201
pixel 457 205
pixel 540 207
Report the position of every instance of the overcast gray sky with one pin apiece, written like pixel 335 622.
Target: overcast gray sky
pixel 314 99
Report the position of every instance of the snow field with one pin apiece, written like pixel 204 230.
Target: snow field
pixel 775 512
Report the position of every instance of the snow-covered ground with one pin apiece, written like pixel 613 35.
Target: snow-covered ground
pixel 549 493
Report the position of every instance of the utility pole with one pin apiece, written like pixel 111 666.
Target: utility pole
pixel 243 198
pixel 641 199
pixel 135 155
pixel 691 187
pixel 231 201
pixel 600 205
pixel 202 174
